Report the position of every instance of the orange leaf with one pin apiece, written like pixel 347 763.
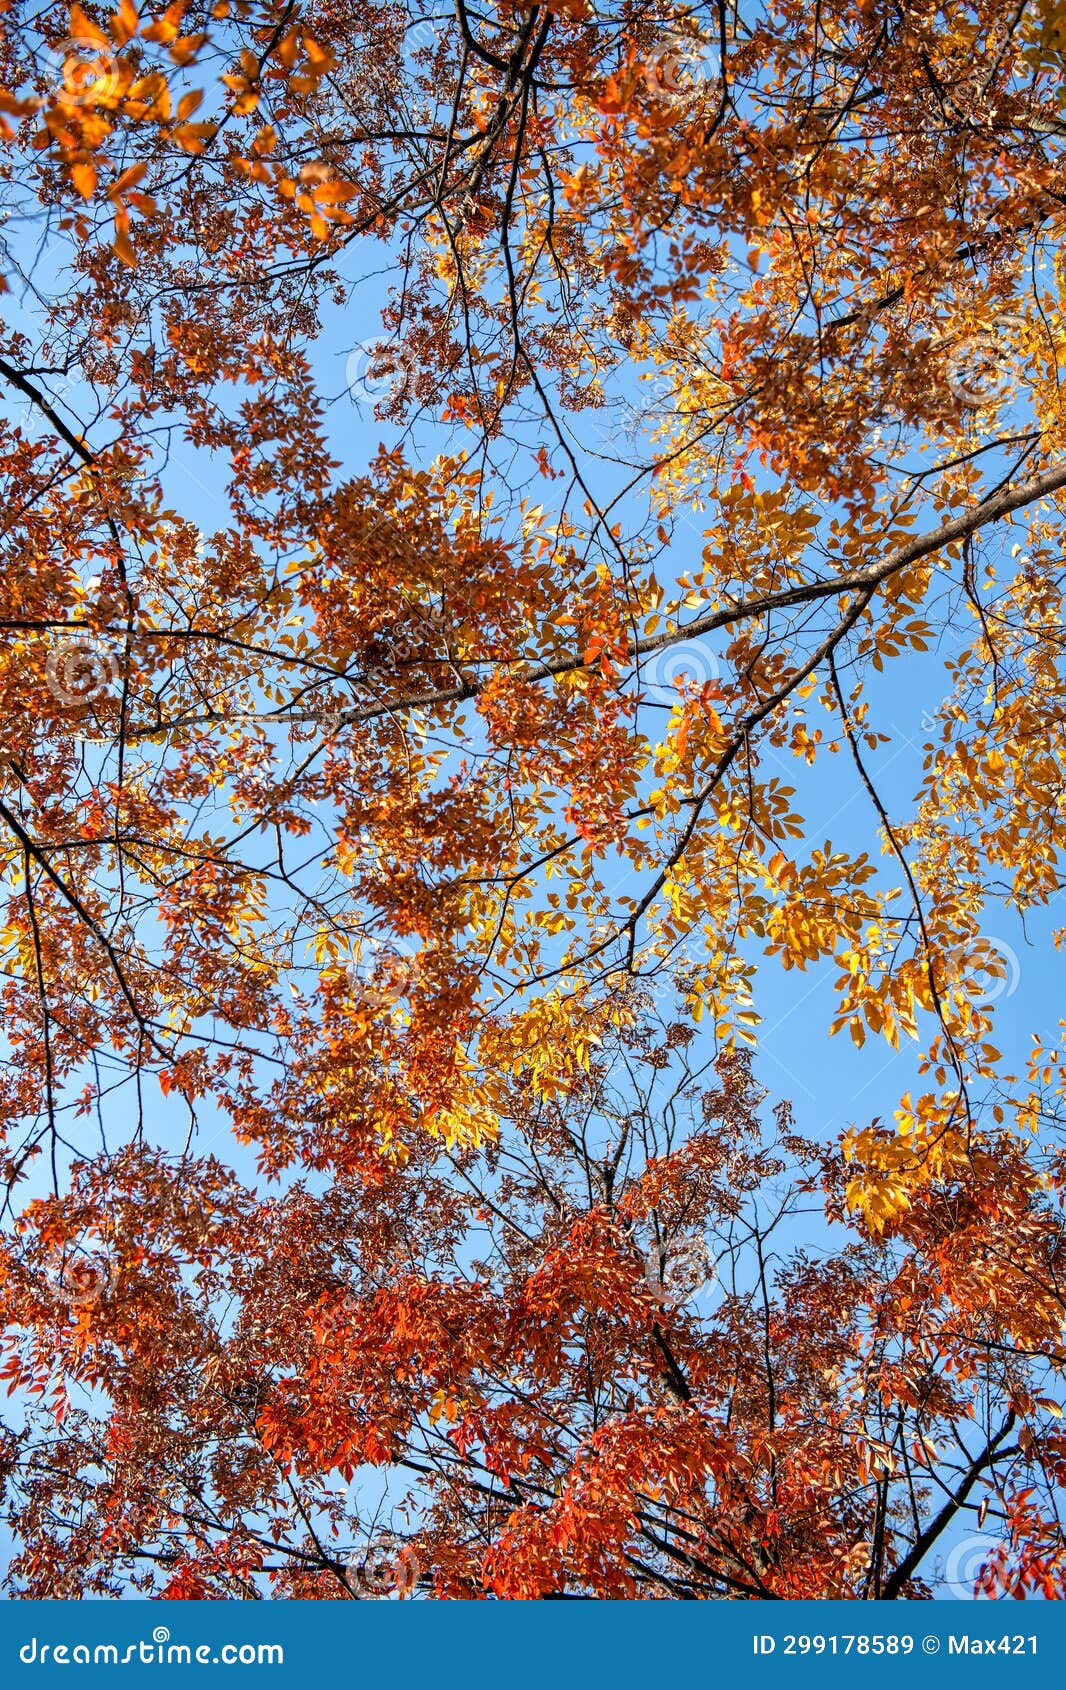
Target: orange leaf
pixel 166 27
pixel 129 178
pixel 192 137
pixel 124 23
pixel 83 177
pixel 82 30
pixel 330 193
pixel 186 48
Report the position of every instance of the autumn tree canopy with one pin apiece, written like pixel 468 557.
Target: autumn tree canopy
pixel 478 482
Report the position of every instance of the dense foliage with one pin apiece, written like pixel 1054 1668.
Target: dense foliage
pixel 395 844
